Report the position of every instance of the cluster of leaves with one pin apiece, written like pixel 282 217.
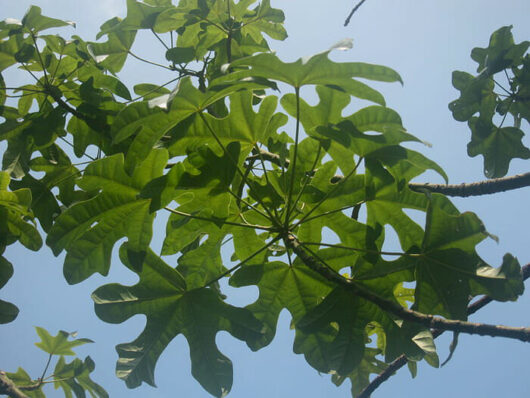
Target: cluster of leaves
pixel 72 377
pixel 217 154
pixel 498 143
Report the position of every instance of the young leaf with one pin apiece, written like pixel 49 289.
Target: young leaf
pixel 58 345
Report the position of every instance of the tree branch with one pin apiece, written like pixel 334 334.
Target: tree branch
pixel 478 188
pixel 7 387
pixel 406 314
pixel 486 187
pixel 401 361
pixel 353 12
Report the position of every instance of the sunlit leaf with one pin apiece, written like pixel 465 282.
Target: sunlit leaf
pixel 59 345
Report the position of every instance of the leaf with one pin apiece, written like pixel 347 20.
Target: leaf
pixel 318 69
pixel 243 124
pixel 36 22
pixel 8 311
pixel 352 314
pixel 170 310
pixel 449 271
pixel 202 182
pixel 150 91
pixel 74 377
pixel 297 288
pixel 139 16
pixel 180 55
pixel 58 345
pixel 501 53
pixel 3 91
pixel 452 348
pixel 360 377
pixel 498 145
pixel 89 229
pixel 113 53
pixel 264 19
pixel 22 379
pixel 14 215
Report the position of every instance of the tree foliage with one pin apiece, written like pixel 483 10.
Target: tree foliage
pixel 235 160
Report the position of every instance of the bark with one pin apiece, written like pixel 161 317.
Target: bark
pixel 7 387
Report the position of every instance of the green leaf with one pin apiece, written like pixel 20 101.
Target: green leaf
pixel 3 92
pixel 297 288
pixel 201 182
pixel 449 271
pixel 59 345
pixel 10 47
pixel 8 311
pixel 264 19
pixel 113 53
pixel 22 379
pixel 25 54
pixel 89 229
pixel 179 55
pixel 14 215
pixel 36 22
pixel 353 314
pixel 170 310
pixel 243 124
pixel 498 145
pixel 360 377
pixel 476 95
pixel 150 91
pixel 501 53
pixel 74 377
pixel 139 16
pixel 318 69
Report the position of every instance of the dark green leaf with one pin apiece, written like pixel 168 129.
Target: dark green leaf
pixel 198 314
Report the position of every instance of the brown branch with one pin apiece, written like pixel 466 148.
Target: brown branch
pixel 7 387
pixel 401 361
pixel 486 187
pixel 353 12
pixel 477 188
pixel 406 314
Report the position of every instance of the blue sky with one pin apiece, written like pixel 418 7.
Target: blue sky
pixel 424 41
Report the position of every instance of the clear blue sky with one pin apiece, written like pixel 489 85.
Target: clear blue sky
pixel 424 41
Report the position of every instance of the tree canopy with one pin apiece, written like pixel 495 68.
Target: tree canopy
pixel 302 195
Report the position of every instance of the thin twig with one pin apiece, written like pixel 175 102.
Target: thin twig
pixel 148 62
pixel 40 57
pixel 159 39
pixel 236 224
pixel 295 156
pixel 236 165
pixel 356 249
pixel 353 12
pixel 246 260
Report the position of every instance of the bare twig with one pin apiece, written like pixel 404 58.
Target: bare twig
pixel 353 12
